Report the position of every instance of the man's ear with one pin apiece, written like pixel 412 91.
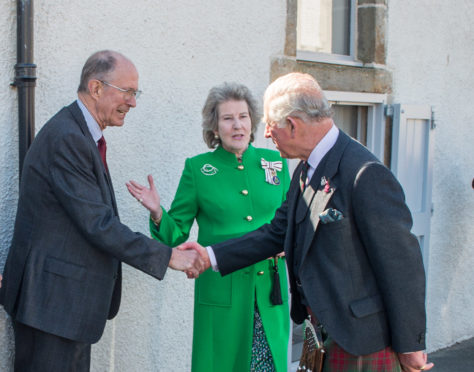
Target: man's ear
pixel 95 88
pixel 292 123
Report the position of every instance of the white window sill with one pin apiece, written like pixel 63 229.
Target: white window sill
pixel 335 59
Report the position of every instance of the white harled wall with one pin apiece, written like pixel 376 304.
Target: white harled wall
pixel 430 52
pixel 181 49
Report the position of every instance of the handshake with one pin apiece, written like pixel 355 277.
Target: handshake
pixel 191 258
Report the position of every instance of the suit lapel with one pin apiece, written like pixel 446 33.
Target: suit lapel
pixel 112 193
pixel 293 198
pixel 318 205
pixel 81 122
pixel 317 195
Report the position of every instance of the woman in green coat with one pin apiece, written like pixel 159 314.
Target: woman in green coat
pixel 230 191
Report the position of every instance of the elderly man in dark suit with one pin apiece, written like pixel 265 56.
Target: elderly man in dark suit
pixel 62 277
pixel 345 229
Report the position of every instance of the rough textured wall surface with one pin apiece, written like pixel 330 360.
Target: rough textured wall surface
pixel 181 50
pixel 430 52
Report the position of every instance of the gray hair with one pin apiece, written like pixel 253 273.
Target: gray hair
pixel 295 94
pixel 220 94
pixel 98 66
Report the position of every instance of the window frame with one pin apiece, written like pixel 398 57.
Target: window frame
pixel 375 115
pixel 332 58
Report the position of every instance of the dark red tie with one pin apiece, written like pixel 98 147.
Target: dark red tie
pixel 102 146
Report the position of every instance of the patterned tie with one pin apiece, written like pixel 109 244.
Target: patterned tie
pixel 102 146
pixel 304 175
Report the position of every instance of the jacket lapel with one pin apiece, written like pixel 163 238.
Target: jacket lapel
pixel 111 187
pixel 81 122
pixel 317 195
pixel 293 197
pixel 318 204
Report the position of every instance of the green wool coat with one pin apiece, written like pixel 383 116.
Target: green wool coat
pixel 229 199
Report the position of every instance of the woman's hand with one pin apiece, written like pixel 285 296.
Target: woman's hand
pixel 148 197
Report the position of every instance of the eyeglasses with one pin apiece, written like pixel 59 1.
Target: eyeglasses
pixel 129 92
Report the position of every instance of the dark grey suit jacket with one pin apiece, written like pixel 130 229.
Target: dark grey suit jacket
pixel 362 276
pixel 63 271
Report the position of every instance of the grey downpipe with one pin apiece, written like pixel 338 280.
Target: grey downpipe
pixel 25 77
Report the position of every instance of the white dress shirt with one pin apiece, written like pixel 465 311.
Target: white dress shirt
pixel 92 125
pixel 321 149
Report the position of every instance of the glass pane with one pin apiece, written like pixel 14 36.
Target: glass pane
pixel 363 120
pixel 352 120
pixel 324 26
pixel 341 16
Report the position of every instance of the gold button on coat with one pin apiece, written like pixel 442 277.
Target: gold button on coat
pixel 249 218
pixel 240 167
pixel 245 192
pixel 260 273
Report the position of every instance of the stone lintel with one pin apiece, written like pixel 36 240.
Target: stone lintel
pixel 336 77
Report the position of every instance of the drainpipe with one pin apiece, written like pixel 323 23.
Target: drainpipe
pixel 25 77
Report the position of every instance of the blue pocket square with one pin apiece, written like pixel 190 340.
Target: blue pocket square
pixel 330 215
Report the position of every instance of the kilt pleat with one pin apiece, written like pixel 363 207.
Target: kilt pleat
pixel 338 360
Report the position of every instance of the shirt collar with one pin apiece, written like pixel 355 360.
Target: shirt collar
pixel 321 149
pixel 92 125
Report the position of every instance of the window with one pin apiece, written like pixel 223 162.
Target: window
pixel 361 116
pixel 352 120
pixel 326 31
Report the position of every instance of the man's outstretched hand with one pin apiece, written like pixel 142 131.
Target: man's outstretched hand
pixel 199 249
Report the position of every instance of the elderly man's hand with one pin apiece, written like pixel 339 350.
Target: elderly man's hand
pixel 416 361
pixel 188 261
pixel 194 246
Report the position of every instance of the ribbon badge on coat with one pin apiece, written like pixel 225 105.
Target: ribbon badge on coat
pixel 271 168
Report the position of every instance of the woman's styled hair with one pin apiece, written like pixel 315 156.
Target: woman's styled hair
pixel 210 112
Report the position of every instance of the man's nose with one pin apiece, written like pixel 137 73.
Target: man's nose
pixel 132 101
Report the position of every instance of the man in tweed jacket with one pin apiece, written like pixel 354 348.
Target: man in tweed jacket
pixel 62 277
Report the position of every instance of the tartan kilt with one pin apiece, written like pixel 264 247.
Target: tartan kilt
pixel 338 360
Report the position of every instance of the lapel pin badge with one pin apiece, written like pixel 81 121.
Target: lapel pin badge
pixel 326 185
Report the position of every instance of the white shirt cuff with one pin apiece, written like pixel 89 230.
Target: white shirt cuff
pixel 212 258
